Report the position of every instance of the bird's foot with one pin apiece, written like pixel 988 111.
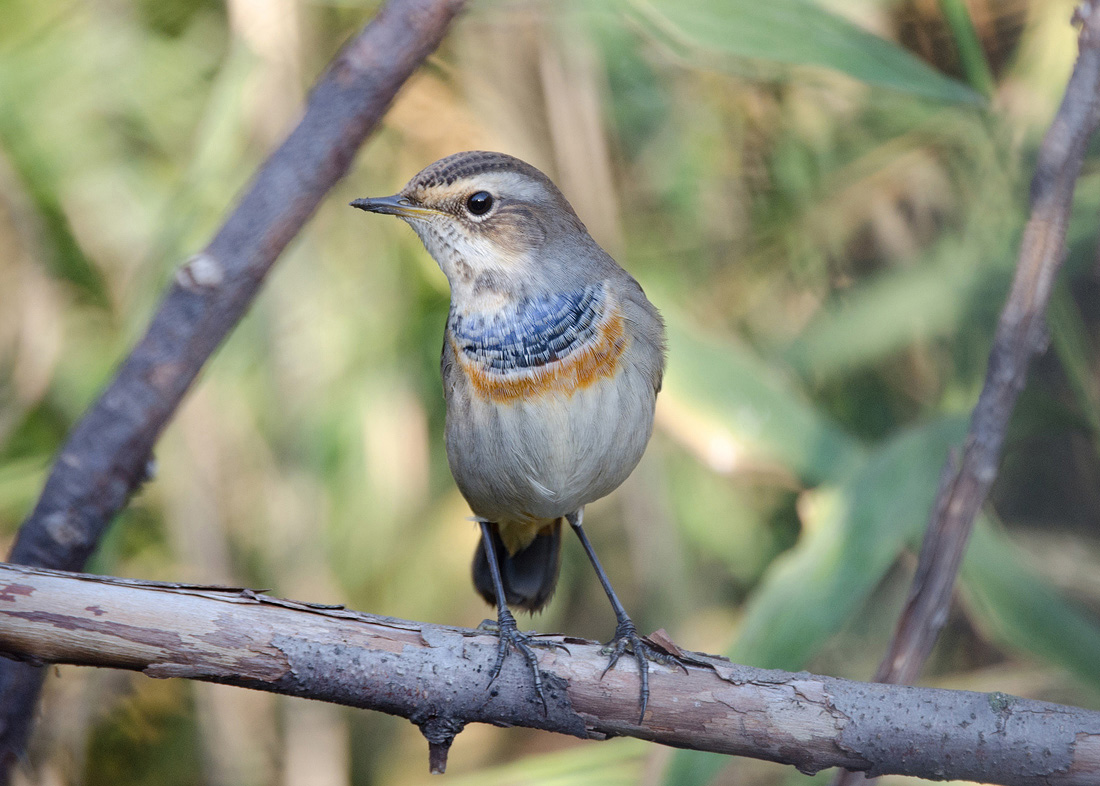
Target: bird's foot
pixel 626 637
pixel 509 636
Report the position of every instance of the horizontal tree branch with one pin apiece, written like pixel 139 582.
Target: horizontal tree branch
pixel 437 677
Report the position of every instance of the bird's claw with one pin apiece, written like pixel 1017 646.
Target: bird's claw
pixel 626 637
pixel 508 635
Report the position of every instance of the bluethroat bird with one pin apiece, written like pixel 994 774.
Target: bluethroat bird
pixel 552 360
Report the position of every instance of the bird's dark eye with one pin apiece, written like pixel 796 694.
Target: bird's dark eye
pixel 479 203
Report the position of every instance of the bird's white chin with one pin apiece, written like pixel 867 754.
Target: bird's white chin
pixel 477 270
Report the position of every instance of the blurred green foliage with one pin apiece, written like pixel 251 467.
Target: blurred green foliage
pixel 815 194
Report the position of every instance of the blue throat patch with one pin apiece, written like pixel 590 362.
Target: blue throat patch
pixel 534 332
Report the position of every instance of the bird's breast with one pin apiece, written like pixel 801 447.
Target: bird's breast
pixel 553 343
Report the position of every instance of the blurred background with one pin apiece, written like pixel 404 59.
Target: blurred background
pixel 825 201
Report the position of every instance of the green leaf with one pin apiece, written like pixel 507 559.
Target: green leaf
pixel 41 183
pixel 622 763
pixel 969 45
pixel 760 411
pixel 1070 337
pixel 1022 610
pixel 792 32
pixel 929 299
pixel 854 534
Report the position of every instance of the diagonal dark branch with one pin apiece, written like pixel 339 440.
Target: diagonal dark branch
pixel 107 453
pixel 1021 334
pixel 437 677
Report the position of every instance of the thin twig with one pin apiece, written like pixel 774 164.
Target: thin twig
pixel 438 678
pixel 1021 334
pixel 107 454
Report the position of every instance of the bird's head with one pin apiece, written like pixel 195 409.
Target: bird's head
pixel 495 224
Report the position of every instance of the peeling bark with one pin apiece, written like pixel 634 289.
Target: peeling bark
pixel 437 677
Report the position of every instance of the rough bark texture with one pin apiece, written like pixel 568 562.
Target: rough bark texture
pixel 107 455
pixel 437 677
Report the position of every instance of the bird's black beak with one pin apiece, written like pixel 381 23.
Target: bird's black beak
pixel 395 205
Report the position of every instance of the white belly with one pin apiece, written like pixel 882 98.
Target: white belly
pixel 538 459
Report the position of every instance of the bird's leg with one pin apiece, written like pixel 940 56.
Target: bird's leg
pixel 507 630
pixel 626 634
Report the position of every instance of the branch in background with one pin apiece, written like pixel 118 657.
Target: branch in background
pixel 107 453
pixel 1021 334
pixel 437 677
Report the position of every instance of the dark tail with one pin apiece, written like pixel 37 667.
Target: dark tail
pixel 529 576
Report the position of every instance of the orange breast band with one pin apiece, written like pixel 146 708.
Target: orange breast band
pixel 587 363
